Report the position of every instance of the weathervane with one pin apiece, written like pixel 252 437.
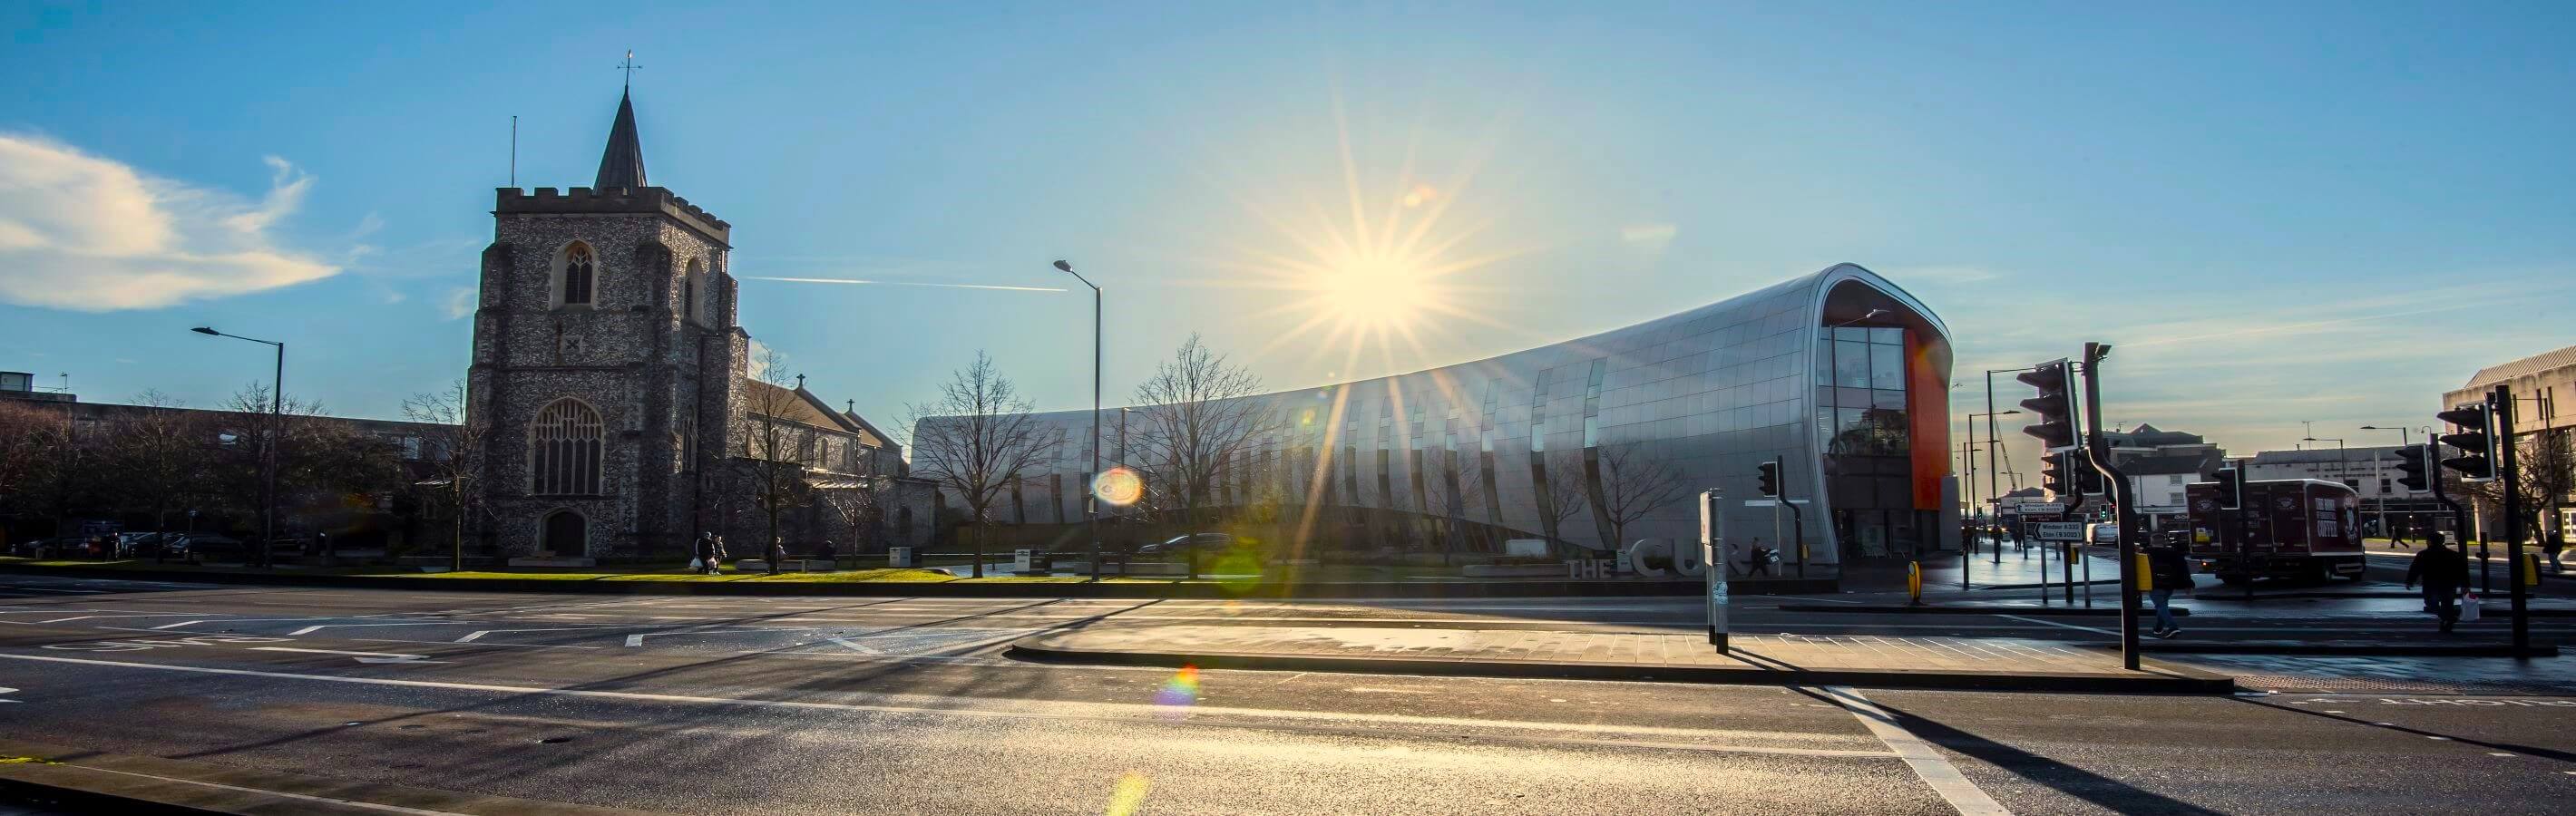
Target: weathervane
pixel 629 67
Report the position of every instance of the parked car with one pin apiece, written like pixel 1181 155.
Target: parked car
pixel 2104 533
pixel 1201 542
pixel 209 547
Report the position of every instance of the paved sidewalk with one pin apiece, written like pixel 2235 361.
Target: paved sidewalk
pixel 1868 660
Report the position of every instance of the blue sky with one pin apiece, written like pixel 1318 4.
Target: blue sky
pixel 2325 212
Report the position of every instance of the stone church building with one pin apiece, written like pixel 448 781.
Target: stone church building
pixel 613 389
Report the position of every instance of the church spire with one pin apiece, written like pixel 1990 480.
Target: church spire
pixel 622 165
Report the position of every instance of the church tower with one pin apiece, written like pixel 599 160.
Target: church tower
pixel 606 359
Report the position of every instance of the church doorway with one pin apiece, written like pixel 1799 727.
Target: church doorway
pixel 565 534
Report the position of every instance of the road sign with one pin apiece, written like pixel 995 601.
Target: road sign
pixel 1770 502
pixel 2036 509
pixel 2061 531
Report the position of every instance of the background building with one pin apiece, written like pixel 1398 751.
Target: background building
pixel 1840 375
pixel 2540 423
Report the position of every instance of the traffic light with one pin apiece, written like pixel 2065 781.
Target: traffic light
pixel 2052 475
pixel 2231 487
pixel 2472 435
pixel 2416 463
pixel 2055 406
pixel 1770 478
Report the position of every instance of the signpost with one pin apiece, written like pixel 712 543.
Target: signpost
pixel 2061 530
pixel 1712 559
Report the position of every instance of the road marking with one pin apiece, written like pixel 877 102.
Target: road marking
pixel 410 657
pixel 7 690
pixel 1926 761
pixel 2060 625
pixel 474 636
pixel 948 706
pixel 855 647
pixel 265 792
pixel 177 625
pixel 635 639
pixel 312 629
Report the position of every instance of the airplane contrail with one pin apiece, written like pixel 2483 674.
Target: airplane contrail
pixel 911 283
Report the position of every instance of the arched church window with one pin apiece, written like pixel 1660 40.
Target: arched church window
pixel 580 272
pixel 564 450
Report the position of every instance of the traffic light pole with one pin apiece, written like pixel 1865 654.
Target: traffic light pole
pixel 2500 404
pixel 2097 449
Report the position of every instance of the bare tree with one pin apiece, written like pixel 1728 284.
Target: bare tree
pixel 1194 420
pixel 1635 482
pixel 2548 464
pixel 1566 491
pixel 778 448
pixel 318 457
pixel 976 440
pixel 452 446
pixel 157 454
pixel 859 508
pixel 32 439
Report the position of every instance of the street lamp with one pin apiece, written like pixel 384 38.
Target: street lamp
pixel 276 438
pixel 1091 501
pixel 1991 442
pixel 2404 439
pixel 1987 525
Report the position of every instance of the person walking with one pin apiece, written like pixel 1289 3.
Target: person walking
pixel 2170 571
pixel 777 552
pixel 2557 543
pixel 702 554
pixel 718 558
pixel 2444 574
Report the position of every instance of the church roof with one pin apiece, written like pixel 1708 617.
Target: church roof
pixel 622 165
pixel 794 405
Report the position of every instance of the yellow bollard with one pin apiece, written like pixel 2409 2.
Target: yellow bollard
pixel 2530 569
pixel 1914 581
pixel 2146 576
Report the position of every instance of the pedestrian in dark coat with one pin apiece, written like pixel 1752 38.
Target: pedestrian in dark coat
pixel 703 551
pixel 2444 574
pixel 2171 571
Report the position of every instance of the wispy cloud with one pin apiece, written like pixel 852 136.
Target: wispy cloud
pixel 460 302
pixel 85 233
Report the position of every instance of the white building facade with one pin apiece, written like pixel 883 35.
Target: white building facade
pixel 1840 375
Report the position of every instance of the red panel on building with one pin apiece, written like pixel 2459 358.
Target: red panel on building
pixel 1927 409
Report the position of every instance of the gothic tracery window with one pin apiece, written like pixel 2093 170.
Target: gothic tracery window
pixel 564 450
pixel 579 274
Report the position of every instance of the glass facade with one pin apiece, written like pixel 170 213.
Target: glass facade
pixel 1827 372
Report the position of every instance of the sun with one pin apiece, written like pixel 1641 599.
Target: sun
pixel 1374 294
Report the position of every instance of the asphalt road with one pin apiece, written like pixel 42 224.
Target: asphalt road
pixel 836 705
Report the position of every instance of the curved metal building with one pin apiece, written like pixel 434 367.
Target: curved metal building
pixel 1840 375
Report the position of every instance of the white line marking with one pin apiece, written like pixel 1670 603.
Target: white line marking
pixel 337 652
pixel 476 635
pixel 635 640
pixel 1926 761
pixel 939 705
pixel 845 642
pixel 2061 625
pixel 179 624
pixel 265 792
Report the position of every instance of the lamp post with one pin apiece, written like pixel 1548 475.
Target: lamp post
pixel 2404 439
pixel 1995 463
pixel 1091 499
pixel 1991 496
pixel 276 438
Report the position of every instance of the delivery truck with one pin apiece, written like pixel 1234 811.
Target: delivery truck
pixel 2299 529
